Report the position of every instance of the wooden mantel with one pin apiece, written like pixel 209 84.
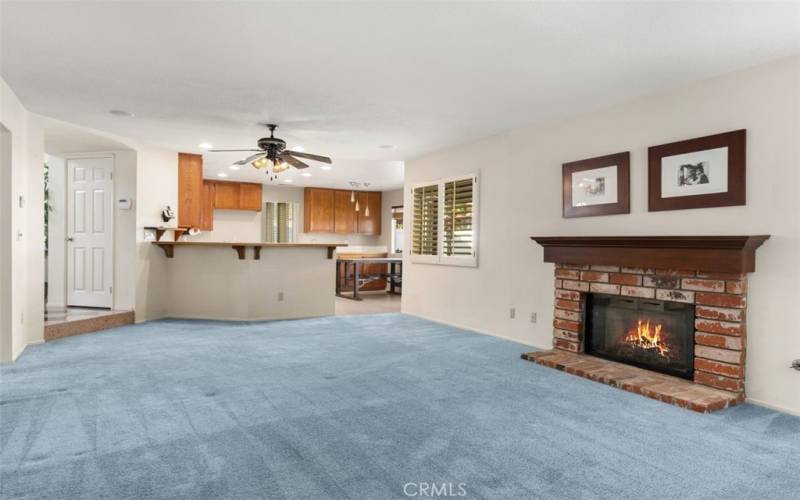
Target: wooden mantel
pixel 169 247
pixel 722 254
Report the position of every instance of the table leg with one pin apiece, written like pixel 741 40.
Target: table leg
pixel 338 280
pixel 391 277
pixel 356 272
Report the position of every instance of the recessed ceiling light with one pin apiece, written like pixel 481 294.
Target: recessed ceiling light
pixel 386 146
pixel 299 149
pixel 288 181
pixel 121 112
pixel 205 145
pixel 234 167
pixel 222 174
pixel 306 174
pixel 326 167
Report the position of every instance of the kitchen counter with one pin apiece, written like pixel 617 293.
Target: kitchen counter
pixel 255 281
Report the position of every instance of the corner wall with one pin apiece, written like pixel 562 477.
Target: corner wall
pixel 21 311
pixel 521 197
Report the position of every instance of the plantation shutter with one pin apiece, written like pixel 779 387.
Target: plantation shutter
pixel 425 229
pixel 457 218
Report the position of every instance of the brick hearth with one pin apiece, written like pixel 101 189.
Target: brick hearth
pixel 645 382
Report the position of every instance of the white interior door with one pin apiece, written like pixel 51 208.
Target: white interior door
pixel 90 232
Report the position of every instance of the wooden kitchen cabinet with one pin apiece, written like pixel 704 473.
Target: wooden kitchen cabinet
pixel 226 195
pixel 190 189
pixel 250 195
pixel 344 213
pixel 318 210
pixel 207 209
pixel 331 211
pixel 369 224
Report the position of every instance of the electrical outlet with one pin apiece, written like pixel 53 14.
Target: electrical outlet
pixel 280 296
pixel 512 313
pixel 533 317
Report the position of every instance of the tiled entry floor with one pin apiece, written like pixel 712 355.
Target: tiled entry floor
pixel 373 303
pixel 67 321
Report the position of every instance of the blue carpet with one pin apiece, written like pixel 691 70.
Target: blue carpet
pixel 358 407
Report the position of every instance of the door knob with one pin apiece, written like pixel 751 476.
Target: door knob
pixel 69 239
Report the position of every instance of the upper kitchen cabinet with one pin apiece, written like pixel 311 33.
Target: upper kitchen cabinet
pixel 318 210
pixel 207 209
pixel 344 212
pixel 250 195
pixel 190 189
pixel 369 221
pixel 237 196
pixel 332 211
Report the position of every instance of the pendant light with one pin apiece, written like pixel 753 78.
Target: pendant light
pixel 366 211
pixel 357 208
pixel 352 196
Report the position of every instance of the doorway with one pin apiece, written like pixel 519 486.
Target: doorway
pixel 90 232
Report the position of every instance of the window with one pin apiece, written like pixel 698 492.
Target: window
pixel 280 227
pixel 445 217
pixel 397 229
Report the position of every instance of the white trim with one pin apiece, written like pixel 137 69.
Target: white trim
pixel 771 406
pixel 17 354
pixel 112 221
pixel 477 330
pixel 439 258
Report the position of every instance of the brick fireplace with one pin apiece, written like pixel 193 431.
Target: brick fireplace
pixel 660 303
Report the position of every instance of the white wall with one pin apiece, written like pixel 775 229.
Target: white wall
pixel 124 228
pixel 521 197
pixel 241 225
pixel 156 187
pixel 57 232
pixel 23 260
pixel 389 199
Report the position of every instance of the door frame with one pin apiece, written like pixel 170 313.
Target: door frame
pixel 111 208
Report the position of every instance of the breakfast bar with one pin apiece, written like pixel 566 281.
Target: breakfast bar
pixel 249 281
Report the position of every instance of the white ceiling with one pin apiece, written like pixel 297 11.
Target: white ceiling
pixel 343 79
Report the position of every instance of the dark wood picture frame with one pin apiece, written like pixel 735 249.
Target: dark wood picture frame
pixel 623 204
pixel 736 194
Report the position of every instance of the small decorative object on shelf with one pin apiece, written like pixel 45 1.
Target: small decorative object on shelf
pixel 167 214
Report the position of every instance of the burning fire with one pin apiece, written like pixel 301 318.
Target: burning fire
pixel 647 336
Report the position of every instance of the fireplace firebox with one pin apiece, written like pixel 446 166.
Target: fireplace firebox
pixel 653 334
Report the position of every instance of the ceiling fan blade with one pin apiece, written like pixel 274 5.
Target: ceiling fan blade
pixel 245 161
pixel 231 150
pixel 293 161
pixel 323 159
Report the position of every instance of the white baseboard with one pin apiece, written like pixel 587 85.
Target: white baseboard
pixel 478 330
pixel 22 349
pixel 757 402
pixel 771 406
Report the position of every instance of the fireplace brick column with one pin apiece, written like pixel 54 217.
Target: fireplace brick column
pixel 720 302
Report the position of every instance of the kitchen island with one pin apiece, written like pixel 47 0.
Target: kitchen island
pixel 249 281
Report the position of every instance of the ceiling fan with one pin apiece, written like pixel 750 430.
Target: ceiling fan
pixel 273 149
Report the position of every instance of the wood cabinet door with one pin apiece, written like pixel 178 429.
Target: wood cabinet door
pixel 250 195
pixel 207 212
pixel 226 195
pixel 369 224
pixel 190 189
pixel 344 213
pixel 318 210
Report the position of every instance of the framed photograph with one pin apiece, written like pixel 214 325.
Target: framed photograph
pixel 698 173
pixel 597 186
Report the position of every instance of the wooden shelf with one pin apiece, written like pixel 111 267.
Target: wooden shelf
pixel 240 248
pixel 160 230
pixel 722 254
